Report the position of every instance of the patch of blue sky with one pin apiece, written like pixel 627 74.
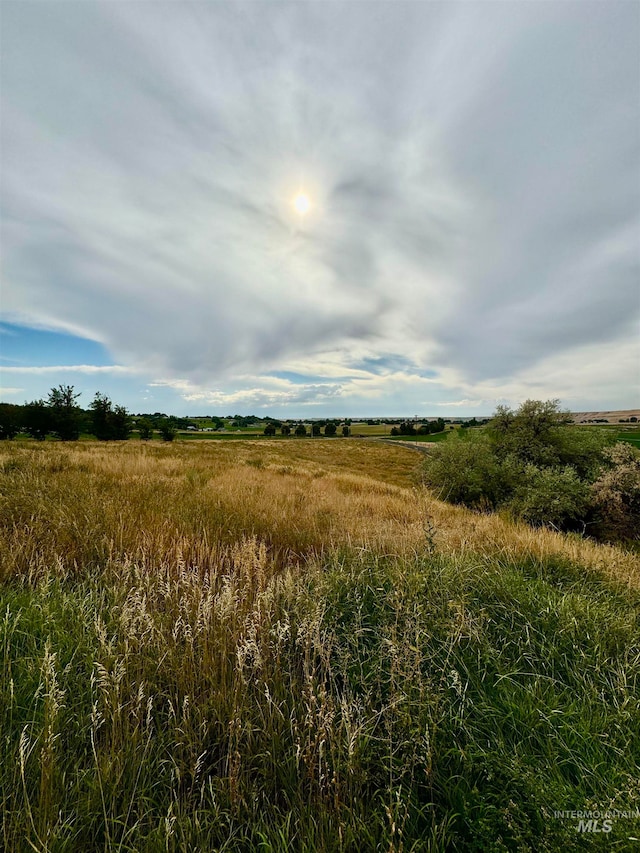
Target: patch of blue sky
pixel 24 346
pixel 299 378
pixel 383 364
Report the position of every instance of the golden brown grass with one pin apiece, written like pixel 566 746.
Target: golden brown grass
pixel 291 646
pixel 87 503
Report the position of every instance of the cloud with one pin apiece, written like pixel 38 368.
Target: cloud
pixel 273 391
pixel 260 398
pixel 55 369
pixel 473 173
pixel 454 404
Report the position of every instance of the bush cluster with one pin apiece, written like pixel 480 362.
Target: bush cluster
pixel 330 428
pixel 534 464
pixel 408 428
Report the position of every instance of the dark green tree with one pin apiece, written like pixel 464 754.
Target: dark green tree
pixel 37 420
pixel 346 430
pixel 100 411
pixel 109 423
pixel 121 423
pixel 11 420
pixel 315 429
pixel 66 416
pixel 167 430
pixel 407 428
pixel 270 429
pixel 285 429
pixel 330 429
pixel 145 429
pixel 301 430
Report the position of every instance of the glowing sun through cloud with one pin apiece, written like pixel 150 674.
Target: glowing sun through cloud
pixel 302 203
pixel 328 207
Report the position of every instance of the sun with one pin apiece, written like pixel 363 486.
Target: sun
pixel 302 203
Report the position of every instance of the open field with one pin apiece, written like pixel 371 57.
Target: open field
pixel 631 436
pixel 433 437
pixel 290 645
pixel 358 429
pixel 612 417
pixel 622 432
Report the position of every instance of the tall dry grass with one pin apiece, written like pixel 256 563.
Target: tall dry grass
pixel 288 646
pixel 87 504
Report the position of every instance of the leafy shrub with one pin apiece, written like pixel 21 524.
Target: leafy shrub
pixel 538 434
pixel 541 469
pixel 145 429
pixel 467 471
pixel 616 495
pixel 167 430
pixel 583 449
pixel 10 420
pixel 551 497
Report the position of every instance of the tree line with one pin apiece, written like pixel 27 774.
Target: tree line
pixel 61 416
pixel 409 428
pixel 328 428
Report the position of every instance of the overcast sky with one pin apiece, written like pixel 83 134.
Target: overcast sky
pixel 473 177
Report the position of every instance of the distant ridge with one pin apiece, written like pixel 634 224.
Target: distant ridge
pixel 610 417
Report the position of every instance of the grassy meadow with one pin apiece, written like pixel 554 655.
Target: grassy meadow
pixel 630 435
pixel 293 646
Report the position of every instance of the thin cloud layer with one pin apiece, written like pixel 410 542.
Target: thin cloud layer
pixel 472 169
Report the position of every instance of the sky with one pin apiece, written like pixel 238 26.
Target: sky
pixel 472 177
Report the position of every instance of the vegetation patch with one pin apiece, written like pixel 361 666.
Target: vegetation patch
pixel 539 468
pixel 288 646
pixel 360 702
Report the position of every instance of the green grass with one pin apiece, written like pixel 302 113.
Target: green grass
pixel 436 436
pixel 630 436
pixel 365 704
pixel 627 432
pixel 170 684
